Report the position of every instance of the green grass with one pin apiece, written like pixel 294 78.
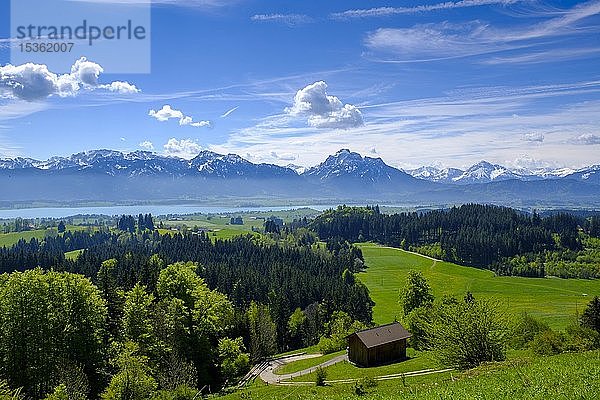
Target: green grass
pixel 418 361
pixel 553 300
pixel 228 233
pixel 301 365
pixel 72 255
pixel 566 376
pixel 9 239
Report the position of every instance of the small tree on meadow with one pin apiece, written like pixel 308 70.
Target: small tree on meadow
pixel 591 315
pixel 466 334
pixel 416 293
pixel 320 376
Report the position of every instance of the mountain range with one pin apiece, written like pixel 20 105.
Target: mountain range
pixel 108 175
pixel 485 172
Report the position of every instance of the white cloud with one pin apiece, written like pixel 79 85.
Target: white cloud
pixel 445 40
pixel 534 137
pixel 283 156
pixel 390 11
pixel 587 139
pixel 459 129
pixel 166 113
pixel 286 19
pixel 184 148
pixel 146 144
pixel 229 112
pixel 323 110
pixel 32 82
pixel 121 87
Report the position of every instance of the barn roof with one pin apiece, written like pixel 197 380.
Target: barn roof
pixel 382 334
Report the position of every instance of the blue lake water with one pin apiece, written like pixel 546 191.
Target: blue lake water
pixel 58 212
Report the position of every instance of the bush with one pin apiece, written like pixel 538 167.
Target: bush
pixel 524 330
pixel 328 345
pixel 320 377
pixel 466 334
pixel 361 385
pixel 182 392
pixel 581 338
pixel 417 323
pixel 547 343
pixel 591 315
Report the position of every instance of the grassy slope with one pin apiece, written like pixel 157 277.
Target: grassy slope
pixel 304 364
pixel 8 239
pixel 566 376
pixel 418 361
pixel 553 300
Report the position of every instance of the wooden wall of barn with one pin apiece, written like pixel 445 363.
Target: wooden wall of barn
pixel 359 354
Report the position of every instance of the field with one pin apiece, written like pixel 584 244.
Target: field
pixel 566 376
pixel 555 301
pixel 8 239
pixel 417 361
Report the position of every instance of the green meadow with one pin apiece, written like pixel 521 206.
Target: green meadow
pixel 565 376
pixel 553 300
pixel 8 239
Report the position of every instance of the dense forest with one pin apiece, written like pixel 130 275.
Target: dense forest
pixel 173 311
pixel 482 236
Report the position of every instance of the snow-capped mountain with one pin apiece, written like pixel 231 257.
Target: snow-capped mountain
pixel 16 163
pixel 211 164
pixel 587 174
pixel 298 168
pixel 144 163
pixel 347 164
pixel 346 176
pixel 433 174
pixel 484 172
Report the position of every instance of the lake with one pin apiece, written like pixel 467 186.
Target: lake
pixel 62 212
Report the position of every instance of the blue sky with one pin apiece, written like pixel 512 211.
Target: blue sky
pixel 435 83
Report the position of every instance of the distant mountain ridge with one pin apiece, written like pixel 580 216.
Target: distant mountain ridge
pixel 485 172
pixel 108 175
pixel 343 164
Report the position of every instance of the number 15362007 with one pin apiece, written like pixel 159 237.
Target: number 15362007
pixel 37 47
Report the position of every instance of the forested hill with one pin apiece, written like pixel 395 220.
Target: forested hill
pixel 246 269
pixel 179 307
pixel 483 236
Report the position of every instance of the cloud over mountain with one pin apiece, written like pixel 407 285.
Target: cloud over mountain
pixel 324 110
pixel 184 148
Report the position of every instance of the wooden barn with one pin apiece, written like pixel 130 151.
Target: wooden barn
pixel 376 346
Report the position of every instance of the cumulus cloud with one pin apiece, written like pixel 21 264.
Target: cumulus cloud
pixel 587 139
pixel 146 144
pixel 166 113
pixel 184 148
pixel 534 137
pixel 323 110
pixel 120 87
pixel 31 82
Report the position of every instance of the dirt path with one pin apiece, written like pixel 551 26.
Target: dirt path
pixel 268 376
pixel 377 378
pixel 271 378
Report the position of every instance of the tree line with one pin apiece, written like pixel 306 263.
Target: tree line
pixel 150 313
pixel 483 236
